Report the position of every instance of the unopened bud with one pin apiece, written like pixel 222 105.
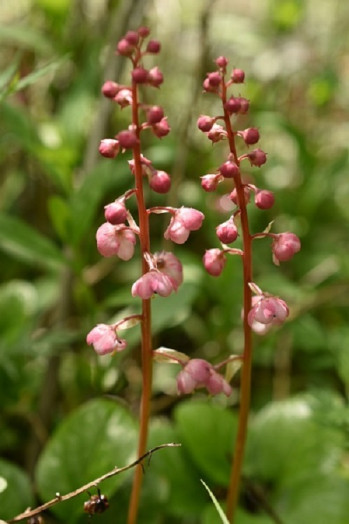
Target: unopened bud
pixel 162 128
pixel 143 31
pixel 153 47
pixel 233 105
pixel 257 157
pixel 124 48
pixel 155 77
pixel 140 75
pixel 237 76
pixel 229 169
pixel 154 115
pixel 264 199
pixel 205 123
pixel 250 135
pixel 227 232
pixel 127 139
pixel 109 147
pixel 221 61
pixel 115 213
pixel 109 89
pixel 160 182
pixel 132 37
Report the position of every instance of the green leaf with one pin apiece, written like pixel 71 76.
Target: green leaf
pixel 286 443
pixel 180 478
pixel 27 245
pixel 18 301
pixel 15 490
pixel 32 77
pixel 319 498
pixel 60 216
pixel 26 37
pixel 217 506
pixel 90 442
pixel 208 431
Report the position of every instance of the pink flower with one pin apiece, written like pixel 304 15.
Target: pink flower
pixel 216 133
pixel 153 282
pixel 250 135
pixel 104 339
pixel 161 128
pixel 214 261
pixel 227 231
pixel 198 373
pixel 205 123
pixel 267 312
pixel 155 77
pixel 123 97
pixel 115 240
pixel 110 88
pixel 168 263
pixel 209 182
pixel 184 220
pixel 155 114
pixel 284 246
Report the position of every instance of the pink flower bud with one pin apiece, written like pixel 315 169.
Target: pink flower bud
pixel 214 261
pixel 227 232
pixel 109 147
pixel 209 182
pixel 233 105
pixel 123 97
pixel 284 246
pixel 153 282
pixel 268 312
pixel 182 222
pixel 214 79
pixel 104 340
pixel 234 196
pixel 198 373
pixel 237 76
pixel 115 240
pixel 127 139
pixel 264 199
pixel 216 133
pixel 140 75
pixel 168 263
pixel 155 77
pixel 155 114
pixel 160 182
pixel 229 169
pixel 109 89
pixel 144 31
pixel 257 157
pixel 162 128
pixel 205 123
pixel 116 212
pixel 153 47
pixel 208 87
pixel 250 135
pixel 124 48
pixel 244 105
pixel 221 61
pixel 132 37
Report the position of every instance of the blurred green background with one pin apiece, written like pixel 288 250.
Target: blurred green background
pixel 68 416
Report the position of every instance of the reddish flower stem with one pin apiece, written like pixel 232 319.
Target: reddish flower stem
pixel 146 318
pixel 245 388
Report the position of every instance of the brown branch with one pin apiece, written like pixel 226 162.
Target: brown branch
pixel 61 498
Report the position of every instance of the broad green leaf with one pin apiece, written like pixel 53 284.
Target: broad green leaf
pixel 18 301
pixel 180 478
pixel 60 216
pixel 27 245
pixel 208 432
pixel 318 498
pixel 286 443
pixel 90 442
pixel 15 490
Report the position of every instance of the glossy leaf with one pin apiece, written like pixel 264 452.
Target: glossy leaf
pixel 15 490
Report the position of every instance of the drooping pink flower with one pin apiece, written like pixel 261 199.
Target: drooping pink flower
pixel 267 312
pixel 104 339
pixel 216 133
pixel 153 282
pixel 155 77
pixel 214 261
pixel 168 263
pixel 162 128
pixel 115 240
pixel 198 373
pixel 284 246
pixel 184 220
pixel 110 88
pixel 205 123
pixel 123 97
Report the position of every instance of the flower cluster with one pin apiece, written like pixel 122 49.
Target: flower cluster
pixel 198 373
pixel 162 272
pixel 266 311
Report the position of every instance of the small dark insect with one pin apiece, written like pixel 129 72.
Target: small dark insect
pixel 97 504
pixel 37 519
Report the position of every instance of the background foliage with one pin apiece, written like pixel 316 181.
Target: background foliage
pixel 68 416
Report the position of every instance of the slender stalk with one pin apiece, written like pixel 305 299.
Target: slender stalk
pixel 146 319
pixel 245 392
